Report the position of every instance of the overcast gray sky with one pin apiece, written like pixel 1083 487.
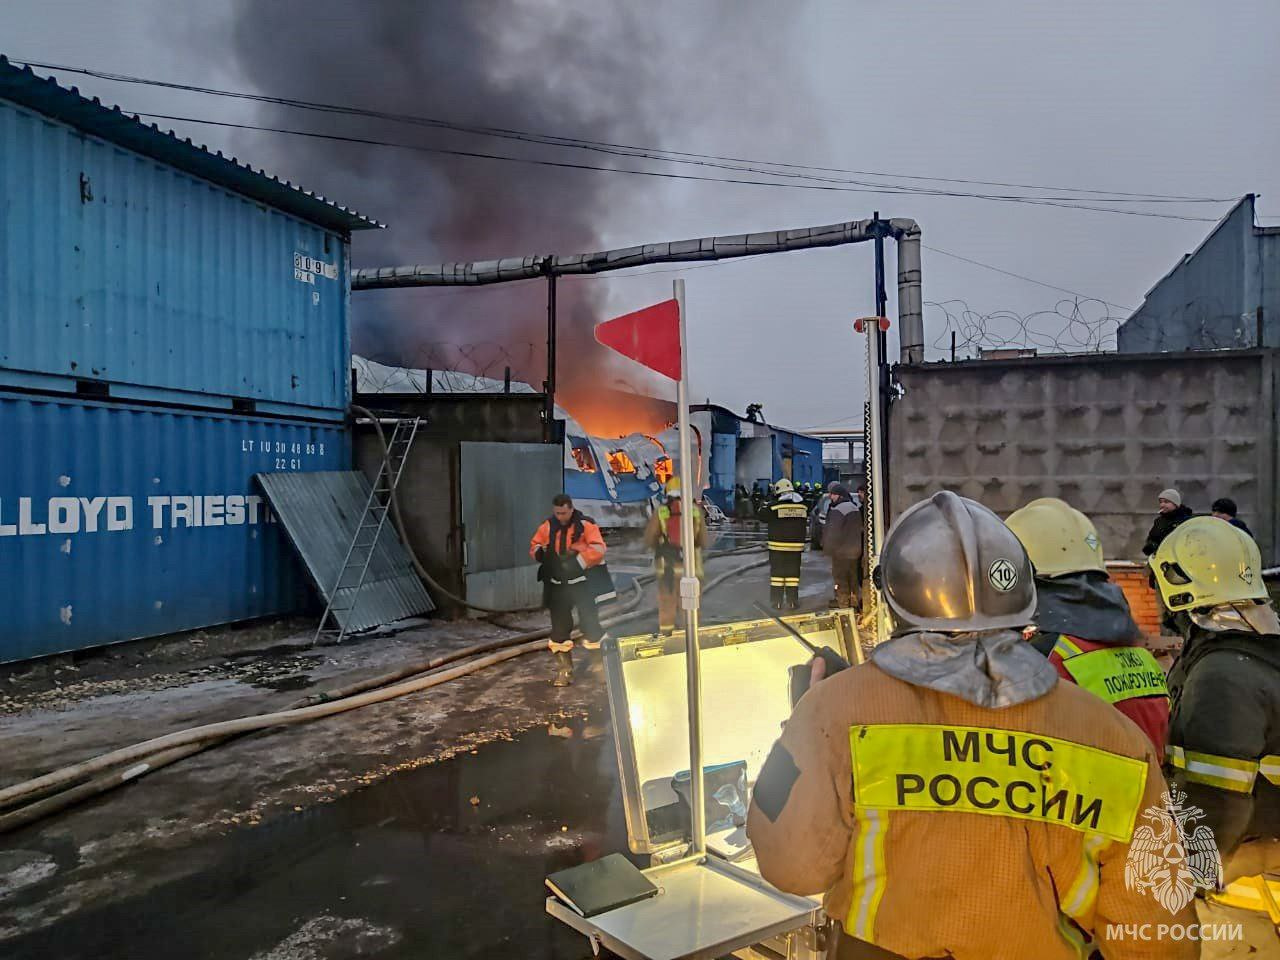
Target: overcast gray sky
pixel 1167 97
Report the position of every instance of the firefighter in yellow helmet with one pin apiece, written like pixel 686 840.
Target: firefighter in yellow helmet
pixel 950 798
pixel 788 525
pixel 662 536
pixel 1083 620
pixel 1224 732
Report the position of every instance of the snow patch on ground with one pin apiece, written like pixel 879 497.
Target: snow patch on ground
pixel 325 937
pixel 23 868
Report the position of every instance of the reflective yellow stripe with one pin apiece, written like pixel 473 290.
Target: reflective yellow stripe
pixel 869 874
pixel 1075 939
pixel 1066 648
pixel 1079 900
pixel 1269 767
pixel 1003 773
pixel 1225 773
pixel 786 547
pixel 1118 673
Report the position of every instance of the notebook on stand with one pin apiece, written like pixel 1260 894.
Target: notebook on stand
pixel 601 885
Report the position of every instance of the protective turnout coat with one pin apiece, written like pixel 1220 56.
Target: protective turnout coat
pixel 1087 632
pixel 937 827
pixel 1224 734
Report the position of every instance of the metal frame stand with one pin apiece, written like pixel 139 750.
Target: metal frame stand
pixel 345 594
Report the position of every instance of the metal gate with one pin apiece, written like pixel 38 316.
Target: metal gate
pixel 506 491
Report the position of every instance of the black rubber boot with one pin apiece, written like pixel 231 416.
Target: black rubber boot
pixel 778 597
pixel 564 669
pixel 792 598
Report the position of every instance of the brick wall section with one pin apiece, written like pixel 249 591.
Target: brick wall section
pixel 1133 580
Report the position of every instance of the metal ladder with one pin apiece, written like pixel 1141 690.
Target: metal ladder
pixel 355 565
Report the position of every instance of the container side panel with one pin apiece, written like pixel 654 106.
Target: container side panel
pixel 119 268
pixel 121 522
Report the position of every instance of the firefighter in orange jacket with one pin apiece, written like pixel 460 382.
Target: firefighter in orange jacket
pixel 662 536
pixel 950 797
pixel 567 545
pixel 1083 619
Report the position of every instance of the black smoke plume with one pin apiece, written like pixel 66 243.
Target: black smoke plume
pixel 634 73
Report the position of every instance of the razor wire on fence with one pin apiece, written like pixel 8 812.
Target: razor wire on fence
pixel 1074 325
pixel 1086 325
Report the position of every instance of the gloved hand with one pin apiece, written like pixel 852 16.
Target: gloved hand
pixel 540 554
pixel 805 675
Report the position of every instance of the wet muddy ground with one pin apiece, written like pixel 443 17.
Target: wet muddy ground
pixel 446 861
pixel 422 827
pixel 351 836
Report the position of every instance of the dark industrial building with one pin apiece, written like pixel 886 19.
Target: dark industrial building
pixel 477 482
pixel 1225 294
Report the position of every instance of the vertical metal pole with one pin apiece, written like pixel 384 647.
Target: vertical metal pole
pixel 548 427
pixel 874 445
pixel 689 592
pixel 882 363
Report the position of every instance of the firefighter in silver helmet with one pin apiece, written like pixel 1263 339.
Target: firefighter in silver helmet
pixel 950 797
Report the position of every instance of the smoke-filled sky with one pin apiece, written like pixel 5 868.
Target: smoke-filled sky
pixel 1170 97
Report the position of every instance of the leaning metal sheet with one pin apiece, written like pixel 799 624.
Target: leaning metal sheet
pixel 702 911
pixel 745 700
pixel 320 512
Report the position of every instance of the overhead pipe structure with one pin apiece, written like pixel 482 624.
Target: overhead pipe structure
pixel 479 273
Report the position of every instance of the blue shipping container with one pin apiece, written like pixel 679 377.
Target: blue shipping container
pixel 122 268
pixel 118 522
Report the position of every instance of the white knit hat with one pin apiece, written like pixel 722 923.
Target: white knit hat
pixel 1172 495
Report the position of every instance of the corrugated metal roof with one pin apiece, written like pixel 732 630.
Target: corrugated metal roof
pixel 320 512
pixel 43 94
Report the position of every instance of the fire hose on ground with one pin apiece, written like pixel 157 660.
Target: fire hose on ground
pixel 52 792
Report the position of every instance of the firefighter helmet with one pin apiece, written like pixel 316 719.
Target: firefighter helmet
pixel 1206 562
pixel 783 486
pixel 1058 538
pixel 949 565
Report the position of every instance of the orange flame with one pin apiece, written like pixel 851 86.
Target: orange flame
pixel 619 462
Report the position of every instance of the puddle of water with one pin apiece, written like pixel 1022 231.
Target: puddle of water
pixel 445 861
pixel 299 681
